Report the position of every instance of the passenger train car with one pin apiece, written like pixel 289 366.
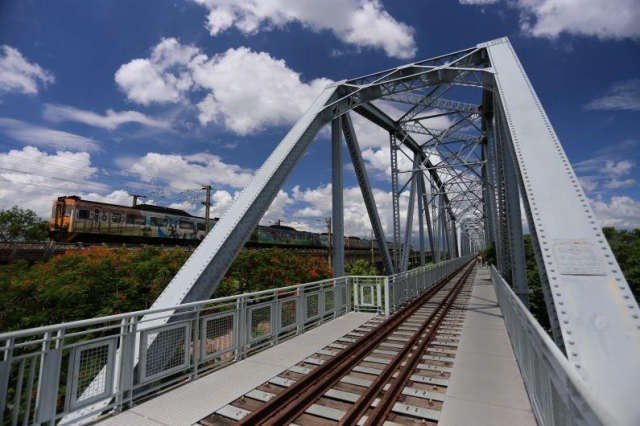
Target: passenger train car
pixel 76 220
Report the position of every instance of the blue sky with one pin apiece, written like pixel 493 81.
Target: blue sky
pixel 105 98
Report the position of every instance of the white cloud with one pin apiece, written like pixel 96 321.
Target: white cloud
pixel 362 23
pixel 33 179
pixel 618 169
pixel 45 137
pixel 620 212
pixel 183 172
pixel 19 75
pixel 277 209
pixel 110 121
pixel 247 91
pixel 316 205
pixel 250 90
pixel 611 19
pixel 624 95
pixel 604 172
pixel 163 78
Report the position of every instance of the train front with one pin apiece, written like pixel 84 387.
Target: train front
pixel 61 215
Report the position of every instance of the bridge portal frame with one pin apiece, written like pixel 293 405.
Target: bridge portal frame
pixel 594 316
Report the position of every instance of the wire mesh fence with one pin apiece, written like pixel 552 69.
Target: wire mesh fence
pixel 66 372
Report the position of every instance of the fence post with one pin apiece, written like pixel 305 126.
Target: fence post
pixel 356 298
pixel 387 299
pixel 241 306
pixel 48 380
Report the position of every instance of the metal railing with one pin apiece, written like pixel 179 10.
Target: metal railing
pixel 102 364
pixel 557 393
pixel 70 372
pixel 385 295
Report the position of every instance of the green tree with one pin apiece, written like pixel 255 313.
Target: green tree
pixel 22 225
pixel 360 268
pixel 626 248
pixel 84 284
pixel 263 269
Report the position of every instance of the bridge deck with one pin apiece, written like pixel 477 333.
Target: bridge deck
pixel 485 387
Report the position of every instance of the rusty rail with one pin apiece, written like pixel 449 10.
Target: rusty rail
pixel 292 402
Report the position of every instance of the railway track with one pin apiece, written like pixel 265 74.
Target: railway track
pixel 392 371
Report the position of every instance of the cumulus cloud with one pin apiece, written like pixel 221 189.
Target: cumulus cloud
pixel 110 121
pixel 619 212
pixel 250 90
pixel 33 179
pixel 603 173
pixel 613 19
pixel 314 204
pixel 246 91
pixel 183 172
pixel 624 95
pixel 362 23
pixel 45 137
pixel 17 75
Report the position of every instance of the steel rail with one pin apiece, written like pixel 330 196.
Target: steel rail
pixel 292 402
pixel 410 354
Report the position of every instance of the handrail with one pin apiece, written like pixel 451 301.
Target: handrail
pixel 558 394
pixel 71 372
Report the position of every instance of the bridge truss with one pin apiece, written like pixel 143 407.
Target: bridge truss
pixel 471 147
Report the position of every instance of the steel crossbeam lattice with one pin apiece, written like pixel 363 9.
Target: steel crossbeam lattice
pixel 473 144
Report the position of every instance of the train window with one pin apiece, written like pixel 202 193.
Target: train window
pixel 186 225
pixel 200 226
pixel 158 221
pixel 83 214
pixel 67 211
pixel 116 217
pixel 135 220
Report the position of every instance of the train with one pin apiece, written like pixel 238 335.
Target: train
pixel 76 220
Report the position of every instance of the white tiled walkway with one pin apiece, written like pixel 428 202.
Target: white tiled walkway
pixel 485 387
pixel 188 404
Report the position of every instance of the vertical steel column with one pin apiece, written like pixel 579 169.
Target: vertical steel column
pixel 393 145
pixel 514 223
pixel 435 221
pixel 409 227
pixel 337 198
pixel 427 213
pixel 443 224
pixel 503 250
pixel 420 184
pixel 487 191
pixel 454 239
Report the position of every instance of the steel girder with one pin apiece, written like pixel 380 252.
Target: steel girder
pixel 597 317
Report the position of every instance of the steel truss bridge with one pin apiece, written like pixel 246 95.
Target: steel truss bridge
pixel 469 180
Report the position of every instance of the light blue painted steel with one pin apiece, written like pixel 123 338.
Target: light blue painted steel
pixel 557 393
pixel 207 265
pixel 337 194
pixel 365 188
pixel 597 312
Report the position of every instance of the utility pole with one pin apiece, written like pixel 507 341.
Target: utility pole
pixel 135 198
pixel 207 205
pixel 328 221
